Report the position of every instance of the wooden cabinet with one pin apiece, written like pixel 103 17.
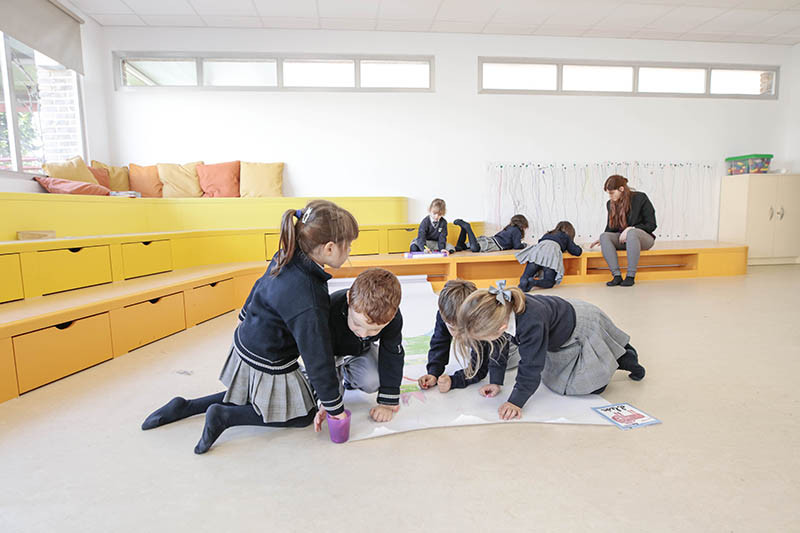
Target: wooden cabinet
pixel 762 211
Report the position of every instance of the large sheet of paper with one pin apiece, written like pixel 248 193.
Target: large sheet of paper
pixel 431 409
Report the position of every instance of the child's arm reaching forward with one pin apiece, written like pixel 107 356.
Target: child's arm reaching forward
pixel 438 354
pixel 390 370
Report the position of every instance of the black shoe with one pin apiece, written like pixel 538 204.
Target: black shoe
pixel 525 284
pixel 630 362
pixel 614 282
pixel 629 281
pixel 460 248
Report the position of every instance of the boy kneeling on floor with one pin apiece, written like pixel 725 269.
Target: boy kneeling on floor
pixel 367 337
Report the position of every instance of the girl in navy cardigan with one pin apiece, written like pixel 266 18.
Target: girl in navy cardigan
pixel 285 315
pixel 570 345
pixel 546 258
pixel 509 238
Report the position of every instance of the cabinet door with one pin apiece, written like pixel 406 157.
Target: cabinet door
pixel 787 217
pixel 761 215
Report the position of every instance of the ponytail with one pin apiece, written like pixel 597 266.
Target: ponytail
pixel 318 223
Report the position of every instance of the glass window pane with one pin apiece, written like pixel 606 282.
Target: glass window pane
pixel 245 73
pixel 159 72
pixel 672 80
pixel 597 78
pixel 520 76
pixel 742 81
pixel 396 74
pixel 319 73
pixel 48 111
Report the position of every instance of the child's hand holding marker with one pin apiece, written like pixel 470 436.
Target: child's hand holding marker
pixel 489 391
pixel 426 382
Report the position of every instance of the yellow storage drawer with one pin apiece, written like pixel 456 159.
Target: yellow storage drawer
pixel 10 278
pixel 367 243
pixel 139 324
pixel 146 257
pixel 208 301
pixel 73 268
pixel 271 243
pixel 49 354
pixel 400 239
pixel 8 371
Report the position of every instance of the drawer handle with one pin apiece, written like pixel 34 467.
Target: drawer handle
pixel 146 243
pixel 155 300
pixel 65 325
pixel 213 284
pixel 75 250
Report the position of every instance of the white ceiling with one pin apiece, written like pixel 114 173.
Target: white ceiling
pixel 748 21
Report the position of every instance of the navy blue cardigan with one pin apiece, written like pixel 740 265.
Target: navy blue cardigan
pixel 430 232
pixel 510 238
pixel 390 347
pixel 288 315
pixel 545 325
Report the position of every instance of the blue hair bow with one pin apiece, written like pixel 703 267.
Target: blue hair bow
pixel 502 294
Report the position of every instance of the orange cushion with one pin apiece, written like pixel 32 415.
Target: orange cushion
pixel 145 180
pixel 220 180
pixel 59 186
pixel 102 176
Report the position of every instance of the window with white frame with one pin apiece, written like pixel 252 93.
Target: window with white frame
pixel 274 72
pixel 548 76
pixel 40 113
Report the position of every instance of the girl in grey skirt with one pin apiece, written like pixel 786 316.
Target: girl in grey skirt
pixel 285 315
pixel 570 345
pixel 545 259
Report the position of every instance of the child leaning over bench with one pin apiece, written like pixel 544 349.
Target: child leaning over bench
pixel 366 314
pixel 509 238
pixel 546 258
pixel 450 299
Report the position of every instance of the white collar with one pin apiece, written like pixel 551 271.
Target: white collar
pixel 512 324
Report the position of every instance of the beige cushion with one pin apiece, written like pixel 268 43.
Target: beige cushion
pixel 74 169
pixel 180 181
pixel 118 176
pixel 260 179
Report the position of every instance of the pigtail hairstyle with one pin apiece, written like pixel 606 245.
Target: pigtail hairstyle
pixel 480 318
pixel 320 222
pixel 618 214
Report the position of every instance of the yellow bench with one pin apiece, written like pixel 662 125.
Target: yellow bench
pixel 667 260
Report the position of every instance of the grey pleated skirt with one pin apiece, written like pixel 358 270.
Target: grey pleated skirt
pixel 588 359
pixel 488 244
pixel 547 254
pixel 277 398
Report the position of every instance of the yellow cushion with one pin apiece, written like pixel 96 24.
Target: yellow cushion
pixel 260 179
pixel 180 181
pixel 74 169
pixel 118 176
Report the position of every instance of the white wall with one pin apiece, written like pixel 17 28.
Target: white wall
pixel 429 144
pixel 792 111
pixel 97 84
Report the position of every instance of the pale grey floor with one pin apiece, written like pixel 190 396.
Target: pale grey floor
pixel 723 359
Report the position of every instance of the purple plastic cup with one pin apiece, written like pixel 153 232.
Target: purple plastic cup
pixel 339 429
